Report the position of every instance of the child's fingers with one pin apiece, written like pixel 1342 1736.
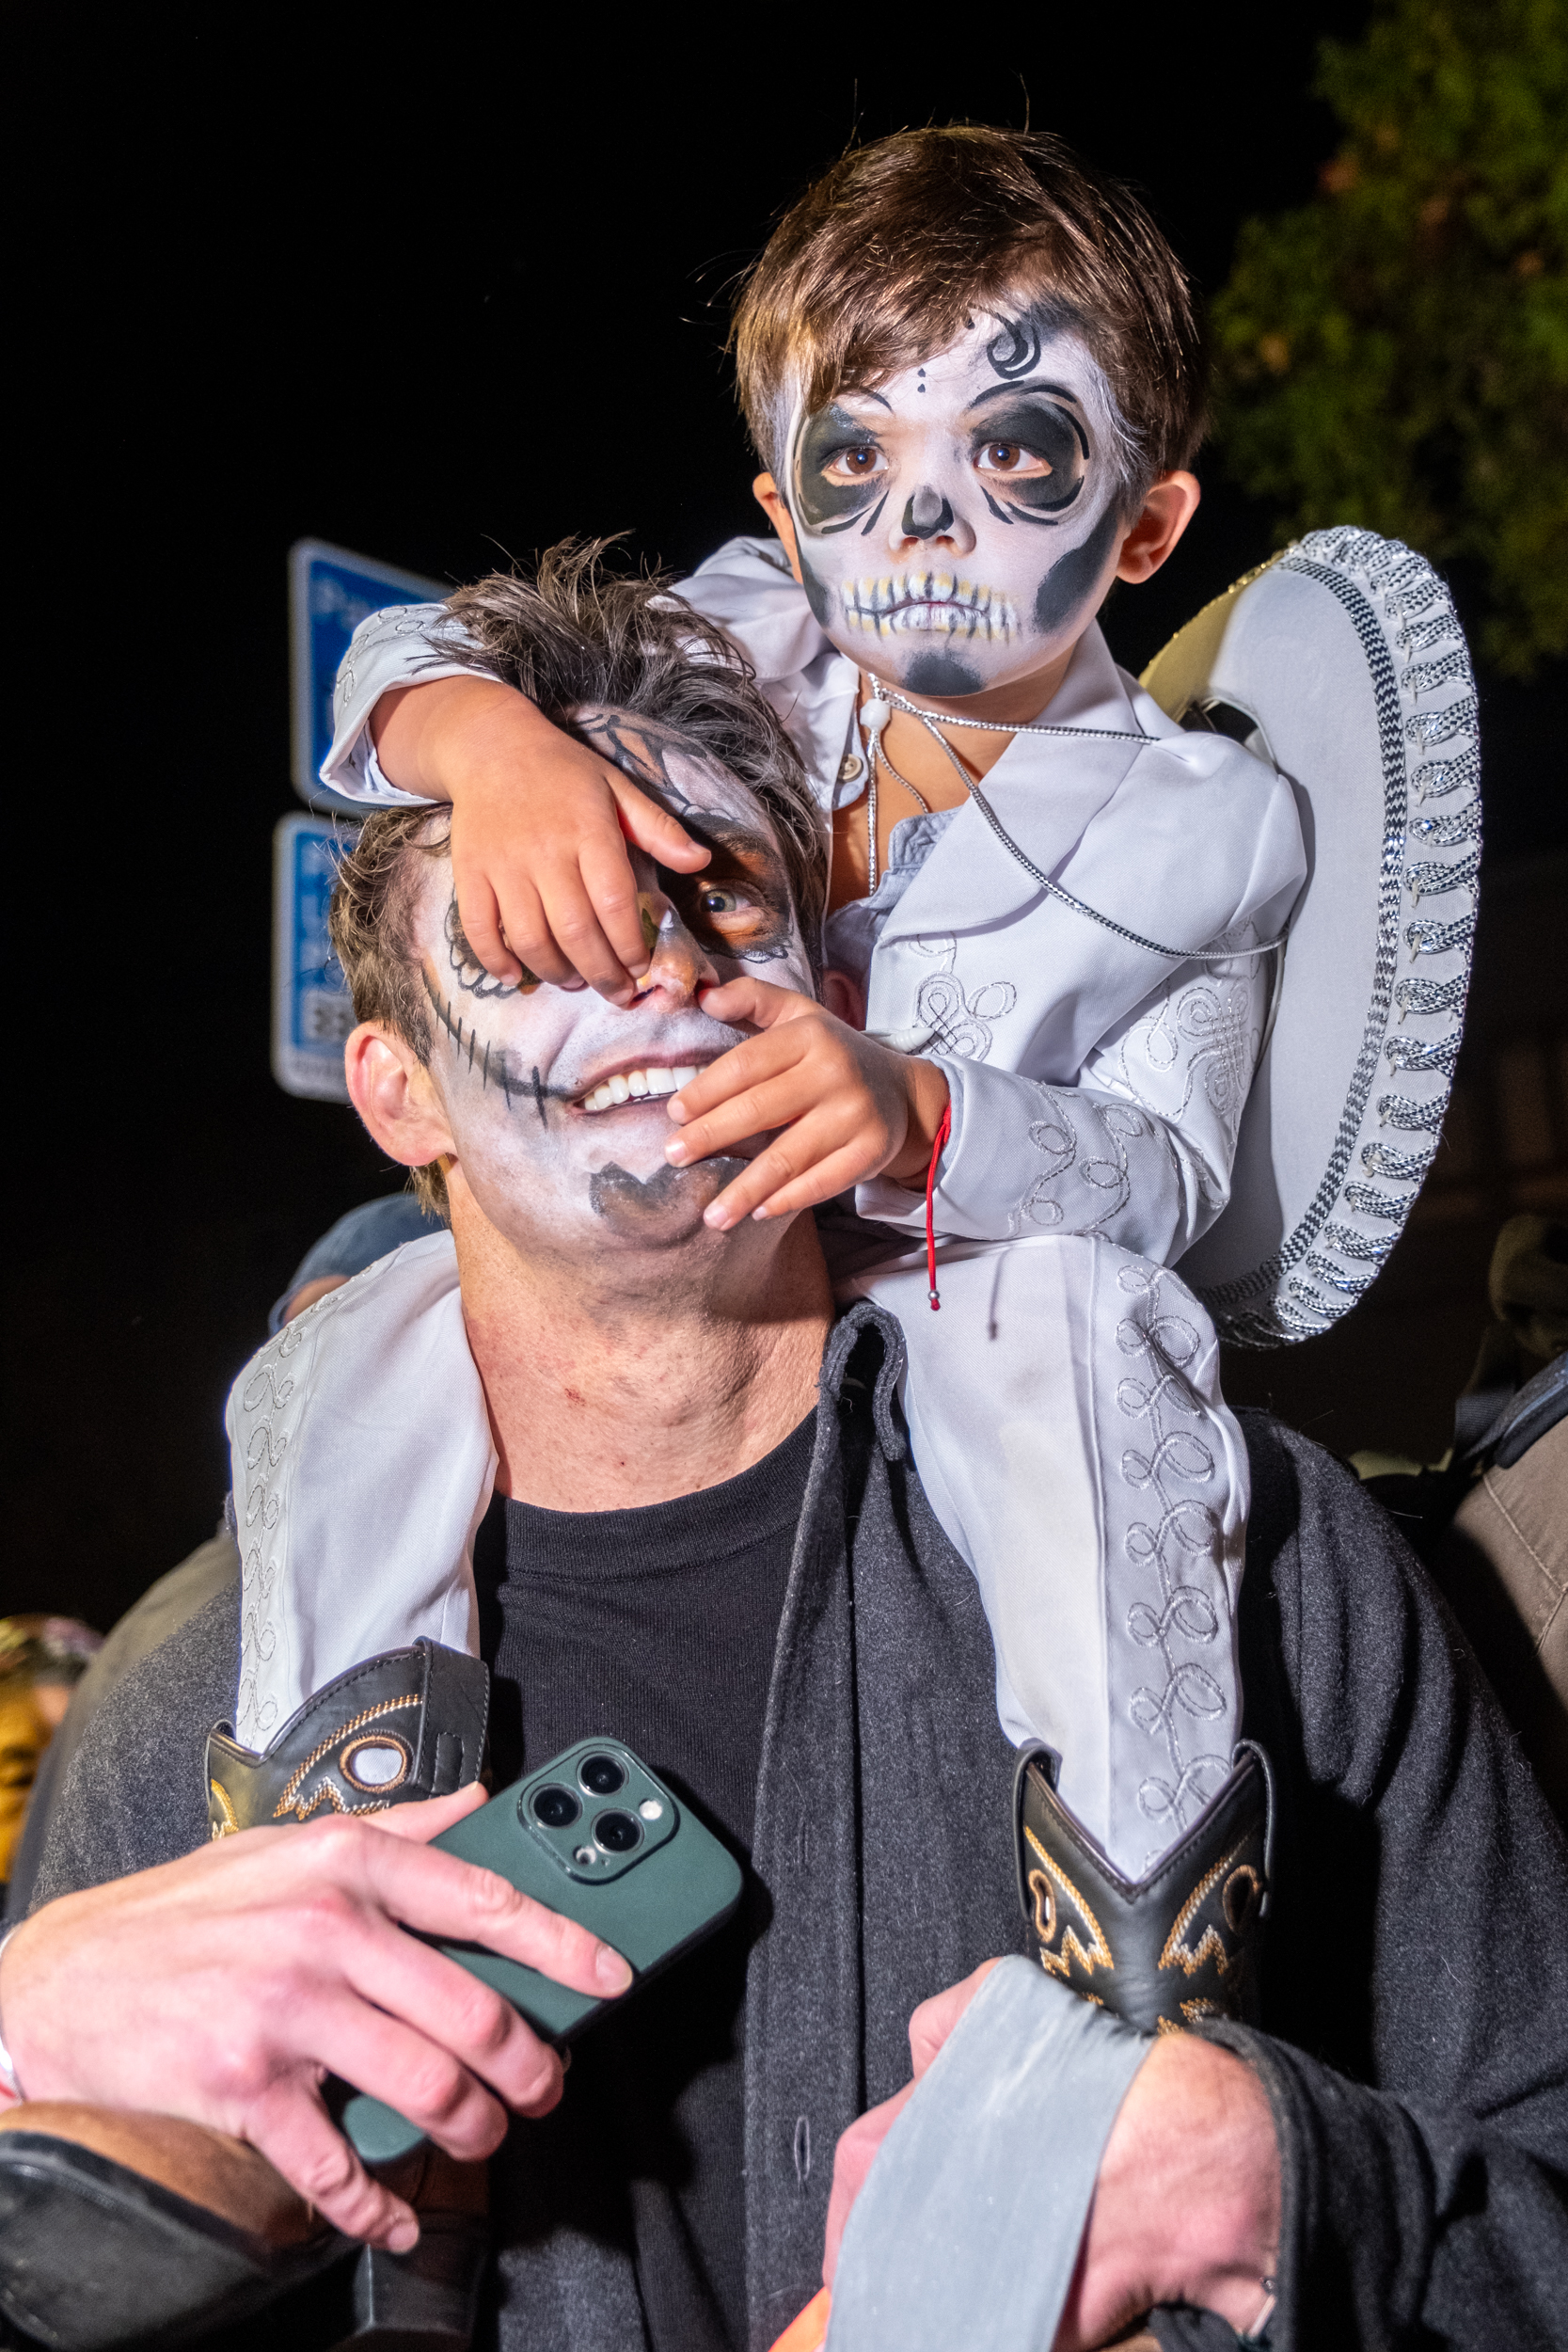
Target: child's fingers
pixel 750 1063
pixel 611 888
pixel 478 913
pixel 761 1003
pixel 758 1109
pixel 810 1162
pixel 654 829
pixel 528 944
pixel 575 933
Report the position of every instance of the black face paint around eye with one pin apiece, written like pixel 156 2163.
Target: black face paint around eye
pixel 1070 582
pixel 1047 430
pixel 833 506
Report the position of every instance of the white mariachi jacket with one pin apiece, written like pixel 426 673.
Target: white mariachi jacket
pixel 1097 1087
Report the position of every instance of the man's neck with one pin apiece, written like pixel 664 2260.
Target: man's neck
pixel 636 1379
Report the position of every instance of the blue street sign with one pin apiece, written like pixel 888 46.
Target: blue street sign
pixel 311 1011
pixel 331 592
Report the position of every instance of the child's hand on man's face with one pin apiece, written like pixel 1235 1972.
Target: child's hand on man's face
pixel 849 1107
pixel 539 831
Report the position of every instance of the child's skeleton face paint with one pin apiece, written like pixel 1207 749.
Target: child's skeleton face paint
pixel 954 525
pixel 554 1098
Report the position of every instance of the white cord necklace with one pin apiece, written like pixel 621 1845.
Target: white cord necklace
pixel 874 716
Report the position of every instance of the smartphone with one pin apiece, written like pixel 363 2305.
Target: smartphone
pixel 595 1834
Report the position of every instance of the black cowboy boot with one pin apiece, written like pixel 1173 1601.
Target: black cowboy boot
pixel 1165 1952
pixel 427 2300
pixel 403 1726
pixel 122 2228
pixel 119 2228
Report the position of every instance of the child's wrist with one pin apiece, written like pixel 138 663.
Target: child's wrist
pixel 416 728
pixel 929 1100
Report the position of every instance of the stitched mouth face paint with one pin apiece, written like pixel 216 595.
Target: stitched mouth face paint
pixel 955 523
pixel 555 1099
pixel 941 604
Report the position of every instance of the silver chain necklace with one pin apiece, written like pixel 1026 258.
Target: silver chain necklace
pixel 885 700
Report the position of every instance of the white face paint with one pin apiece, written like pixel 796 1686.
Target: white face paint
pixel 555 1099
pixel 956 525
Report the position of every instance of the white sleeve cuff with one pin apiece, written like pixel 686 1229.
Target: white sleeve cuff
pixel 403 644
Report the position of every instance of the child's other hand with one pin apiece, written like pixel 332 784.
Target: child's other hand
pixel 539 831
pixel 850 1109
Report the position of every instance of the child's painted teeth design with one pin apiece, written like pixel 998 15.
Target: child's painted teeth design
pixel 928 601
pixel 630 1085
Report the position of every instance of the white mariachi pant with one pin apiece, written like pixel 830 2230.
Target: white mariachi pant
pixel 1065 1419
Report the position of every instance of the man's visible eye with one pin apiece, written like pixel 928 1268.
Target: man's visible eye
pixel 855 464
pixel 716 901
pixel 1011 457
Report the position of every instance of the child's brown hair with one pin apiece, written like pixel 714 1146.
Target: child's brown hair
pixel 883 259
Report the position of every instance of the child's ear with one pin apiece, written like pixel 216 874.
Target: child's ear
pixel 1171 503
pixel 770 499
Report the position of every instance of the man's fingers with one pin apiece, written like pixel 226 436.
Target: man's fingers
pixel 653 829
pixel 437 1894
pixel 482 2039
pixel 417 1824
pixel 852 2160
pixel 934 2020
pixel 378 2032
pixel 292 2128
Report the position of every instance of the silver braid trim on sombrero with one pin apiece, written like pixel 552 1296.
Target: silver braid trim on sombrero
pixel 1319 1268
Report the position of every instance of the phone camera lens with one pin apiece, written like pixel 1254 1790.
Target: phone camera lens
pixel 555 1806
pixel 602 1774
pixel 618 1833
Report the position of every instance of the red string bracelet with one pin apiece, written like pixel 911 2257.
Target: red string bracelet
pixel 943 1133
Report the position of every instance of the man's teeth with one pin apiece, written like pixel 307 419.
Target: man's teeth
pixel 630 1085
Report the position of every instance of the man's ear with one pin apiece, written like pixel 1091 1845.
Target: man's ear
pixel 1171 503
pixel 770 499
pixel 392 1090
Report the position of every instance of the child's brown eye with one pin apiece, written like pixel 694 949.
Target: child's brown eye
pixel 1007 457
pixel 855 464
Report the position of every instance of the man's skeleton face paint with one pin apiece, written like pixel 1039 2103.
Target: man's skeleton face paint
pixel 954 526
pixel 555 1099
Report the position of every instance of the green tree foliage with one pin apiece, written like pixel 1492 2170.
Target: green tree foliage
pixel 1396 353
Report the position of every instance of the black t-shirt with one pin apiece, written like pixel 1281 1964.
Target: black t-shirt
pixel 659 1627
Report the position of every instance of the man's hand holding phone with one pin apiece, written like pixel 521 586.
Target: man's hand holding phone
pixel 227 1986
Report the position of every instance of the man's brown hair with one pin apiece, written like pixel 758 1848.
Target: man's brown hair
pixel 883 259
pixel 573 635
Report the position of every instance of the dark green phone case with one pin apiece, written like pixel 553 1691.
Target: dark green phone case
pixel 651 1903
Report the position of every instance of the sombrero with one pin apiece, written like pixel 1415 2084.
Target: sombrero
pixel 1343 663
